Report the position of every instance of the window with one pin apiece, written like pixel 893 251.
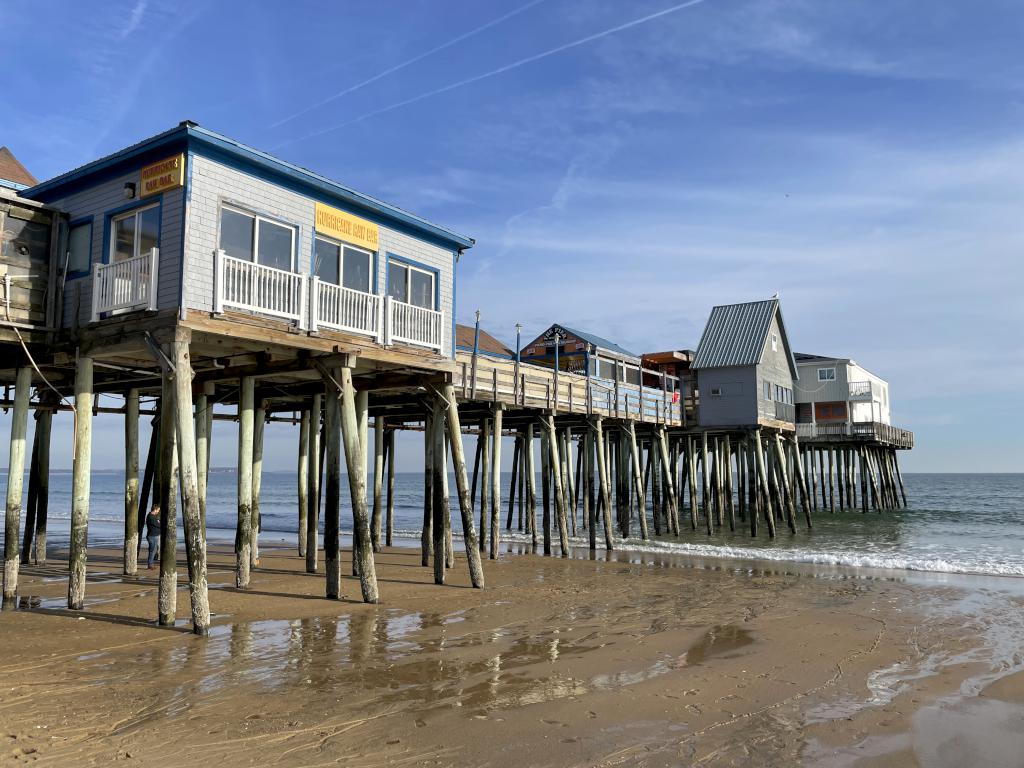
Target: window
pixel 826 374
pixel 411 285
pixel 79 249
pixel 775 343
pixel 632 375
pixel 250 237
pixel 134 233
pixel 767 390
pixel 716 391
pixel 343 265
pixel 606 369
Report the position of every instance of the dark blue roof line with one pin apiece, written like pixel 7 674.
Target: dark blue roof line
pixel 194 134
pixel 598 341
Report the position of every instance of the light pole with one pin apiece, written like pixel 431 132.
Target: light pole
pixel 476 352
pixel 519 331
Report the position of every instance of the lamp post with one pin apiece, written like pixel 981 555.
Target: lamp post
pixel 476 352
pixel 519 338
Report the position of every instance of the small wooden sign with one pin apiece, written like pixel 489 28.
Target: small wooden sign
pixel 346 227
pixel 161 176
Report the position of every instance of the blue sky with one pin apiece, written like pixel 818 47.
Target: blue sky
pixel 861 159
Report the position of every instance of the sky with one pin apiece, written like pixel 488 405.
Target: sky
pixel 623 167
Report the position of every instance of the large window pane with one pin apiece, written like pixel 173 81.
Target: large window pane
pixel 236 234
pixel 397 287
pixel 327 255
pixel 124 238
pixel 149 229
pixel 274 248
pixel 357 270
pixel 421 288
pixel 79 247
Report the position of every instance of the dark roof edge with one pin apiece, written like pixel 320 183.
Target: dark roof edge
pixel 192 131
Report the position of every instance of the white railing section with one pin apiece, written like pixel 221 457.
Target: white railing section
pixel 259 288
pixel 125 285
pixel 410 324
pixel 345 309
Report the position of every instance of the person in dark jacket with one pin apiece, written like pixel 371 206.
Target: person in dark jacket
pixel 153 534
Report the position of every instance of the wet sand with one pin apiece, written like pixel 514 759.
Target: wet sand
pixel 641 660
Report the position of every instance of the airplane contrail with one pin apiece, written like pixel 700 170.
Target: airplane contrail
pixel 493 72
pixel 404 64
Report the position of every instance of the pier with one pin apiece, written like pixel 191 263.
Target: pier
pixel 192 278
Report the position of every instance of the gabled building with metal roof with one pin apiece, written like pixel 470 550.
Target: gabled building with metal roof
pixel 745 367
pixel 583 352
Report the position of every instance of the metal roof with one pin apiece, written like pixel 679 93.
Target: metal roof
pixel 599 342
pixel 736 334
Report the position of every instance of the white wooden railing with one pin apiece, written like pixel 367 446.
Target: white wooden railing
pixel 125 285
pixel 345 309
pixel 259 288
pixel 409 324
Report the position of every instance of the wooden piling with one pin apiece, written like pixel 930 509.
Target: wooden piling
pixel 728 480
pixel 332 488
pixel 545 484
pixel 589 502
pixel 302 477
pixel 440 498
pixel 496 482
pixel 531 481
pixel 167 593
pixel 476 572
pixel 899 477
pixel 512 483
pixel 150 472
pixel 130 554
pixel 201 429
pixel 80 483
pixel 15 481
pixel 638 482
pixel 568 485
pixel 44 425
pixel 313 484
pixel 389 527
pixel 33 497
pixel 672 501
pixel 427 529
pixel 763 482
pixel 353 417
pixel 603 481
pixel 259 423
pixel 560 499
pixel 376 521
pixel 485 483
pixel 243 533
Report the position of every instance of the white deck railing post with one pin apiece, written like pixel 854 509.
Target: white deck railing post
pixel 218 288
pixel 96 292
pixel 314 306
pixel 154 266
pixel 304 307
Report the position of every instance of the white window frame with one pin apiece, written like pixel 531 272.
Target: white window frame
pixel 112 245
pixel 775 343
pixel 408 281
pixel 342 245
pixel 826 376
pixel 256 231
pixel 767 390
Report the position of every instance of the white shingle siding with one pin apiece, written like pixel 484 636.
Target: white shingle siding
pixel 96 202
pixel 213 184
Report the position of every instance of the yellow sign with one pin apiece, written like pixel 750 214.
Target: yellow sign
pixel 345 226
pixel 158 177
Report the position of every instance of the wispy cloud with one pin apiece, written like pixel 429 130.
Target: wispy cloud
pixel 498 71
pixel 134 19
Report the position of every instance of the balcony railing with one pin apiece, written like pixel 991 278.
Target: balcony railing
pixel 344 309
pixel 125 285
pixel 860 390
pixel 259 288
pixel 410 324
pixel 869 430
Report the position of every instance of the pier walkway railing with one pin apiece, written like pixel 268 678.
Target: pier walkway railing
pixel 532 386
pixel 125 285
pixel 874 431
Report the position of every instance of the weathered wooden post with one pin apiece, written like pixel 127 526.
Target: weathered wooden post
pixel 440 497
pixel 569 486
pixel 80 480
pixel 831 480
pixel 131 483
pixel 200 427
pixel 899 477
pixel 258 425
pixel 801 479
pixel 389 528
pixel 560 505
pixel 426 532
pixel 378 482
pixel 787 499
pixel 167 593
pixel 863 479
pixel 476 572
pixel 485 482
pixel 42 439
pixel 302 477
pixel 332 487
pixel 589 505
pixel 531 482
pixel 449 544
pixel 603 481
pixel 353 414
pixel 15 481
pixel 195 539
pixel 763 481
pixel 33 497
pixel 496 482
pixel 512 482
pixel 545 484
pixel 638 481
pixel 243 534
pixel 313 484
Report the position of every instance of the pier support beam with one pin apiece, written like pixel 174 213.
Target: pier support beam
pixel 555 462
pixel 243 532
pixel 313 484
pixel 376 522
pixel 603 480
pixel 44 426
pixel 476 572
pixel 638 482
pixel 353 416
pixel 167 594
pixel 259 423
pixel 426 533
pixel 332 491
pixel 440 500
pixel 201 428
pixel 80 483
pixel 15 481
pixel 485 481
pixel 302 489
pixel 531 489
pixel 389 527
pixel 195 538
pixel 495 482
pixel 762 473
pixel 131 483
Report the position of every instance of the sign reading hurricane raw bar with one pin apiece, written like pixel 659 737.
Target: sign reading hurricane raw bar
pixel 346 227
pixel 161 176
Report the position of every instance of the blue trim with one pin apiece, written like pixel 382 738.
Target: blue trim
pixel 420 265
pixel 108 217
pixel 78 223
pixel 191 138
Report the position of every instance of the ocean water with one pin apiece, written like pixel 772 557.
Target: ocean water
pixel 956 523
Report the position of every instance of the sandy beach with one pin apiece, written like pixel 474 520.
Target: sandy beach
pixel 638 660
